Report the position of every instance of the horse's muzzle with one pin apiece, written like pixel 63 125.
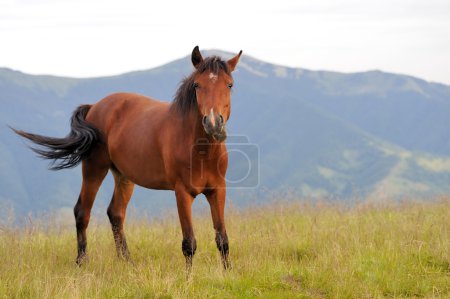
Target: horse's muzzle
pixel 214 126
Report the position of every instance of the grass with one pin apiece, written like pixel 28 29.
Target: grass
pixel 283 250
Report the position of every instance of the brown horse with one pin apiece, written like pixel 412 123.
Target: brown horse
pixel 168 146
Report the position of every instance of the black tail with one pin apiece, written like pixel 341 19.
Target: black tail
pixel 73 148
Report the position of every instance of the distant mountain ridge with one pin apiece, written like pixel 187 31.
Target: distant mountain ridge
pixel 319 133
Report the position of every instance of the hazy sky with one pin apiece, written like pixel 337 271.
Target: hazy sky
pixel 94 37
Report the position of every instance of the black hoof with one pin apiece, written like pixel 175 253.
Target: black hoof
pixel 188 247
pixel 188 263
pixel 226 264
pixel 124 255
pixel 82 259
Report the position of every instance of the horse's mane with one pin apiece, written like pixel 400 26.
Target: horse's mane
pixel 185 99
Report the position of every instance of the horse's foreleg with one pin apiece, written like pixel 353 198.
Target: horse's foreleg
pixel 216 199
pixel 117 210
pixel 184 205
pixel 92 179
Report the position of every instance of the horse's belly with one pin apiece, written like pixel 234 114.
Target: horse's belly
pixel 151 177
pixel 143 167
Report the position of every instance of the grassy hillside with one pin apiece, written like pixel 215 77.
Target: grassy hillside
pixel 281 250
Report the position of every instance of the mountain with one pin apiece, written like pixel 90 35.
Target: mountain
pixel 309 133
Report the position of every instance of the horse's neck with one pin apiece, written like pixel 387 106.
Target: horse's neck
pixel 193 128
pixel 196 136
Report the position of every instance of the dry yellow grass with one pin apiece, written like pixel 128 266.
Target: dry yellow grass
pixel 283 250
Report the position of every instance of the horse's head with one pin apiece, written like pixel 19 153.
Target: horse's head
pixel 213 83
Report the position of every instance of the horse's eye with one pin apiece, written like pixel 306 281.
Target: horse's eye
pixel 230 85
pixel 195 85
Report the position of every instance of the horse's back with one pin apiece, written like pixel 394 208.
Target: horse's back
pixel 118 107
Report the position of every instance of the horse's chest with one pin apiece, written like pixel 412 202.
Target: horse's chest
pixel 202 173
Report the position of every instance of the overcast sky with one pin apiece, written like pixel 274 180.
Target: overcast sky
pixel 82 38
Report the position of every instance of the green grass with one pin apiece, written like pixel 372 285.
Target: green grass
pixel 284 250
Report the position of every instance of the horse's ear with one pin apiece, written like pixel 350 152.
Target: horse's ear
pixel 196 57
pixel 233 61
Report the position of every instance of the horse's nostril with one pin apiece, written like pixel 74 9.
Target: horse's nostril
pixel 204 120
pixel 221 119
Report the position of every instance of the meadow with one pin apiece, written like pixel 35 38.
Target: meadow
pixel 281 250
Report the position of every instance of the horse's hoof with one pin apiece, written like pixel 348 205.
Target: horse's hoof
pixel 188 264
pixel 226 265
pixel 129 260
pixel 81 260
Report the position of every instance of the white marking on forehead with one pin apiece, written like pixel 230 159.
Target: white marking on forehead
pixel 213 77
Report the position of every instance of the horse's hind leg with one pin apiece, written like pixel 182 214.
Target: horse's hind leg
pixel 117 210
pixel 93 175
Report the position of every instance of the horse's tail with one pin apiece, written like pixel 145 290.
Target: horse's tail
pixel 69 151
